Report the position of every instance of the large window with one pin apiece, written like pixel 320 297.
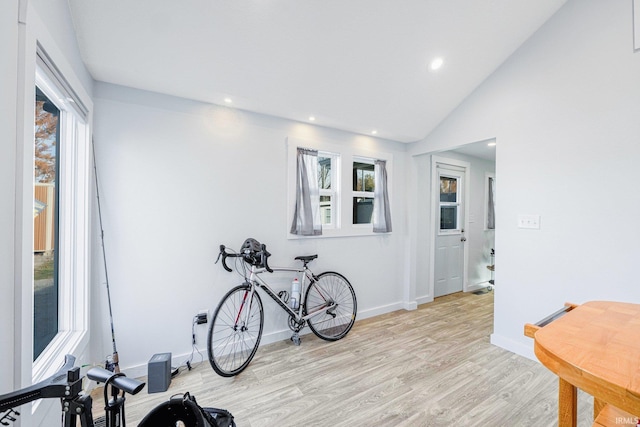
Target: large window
pixel 61 189
pixel 45 222
pixel 363 188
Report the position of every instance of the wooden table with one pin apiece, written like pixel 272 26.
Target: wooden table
pixel 594 347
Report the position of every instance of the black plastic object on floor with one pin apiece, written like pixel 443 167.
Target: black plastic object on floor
pixel 185 409
pixel 159 372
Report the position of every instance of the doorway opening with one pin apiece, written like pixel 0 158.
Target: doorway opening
pixel 463 221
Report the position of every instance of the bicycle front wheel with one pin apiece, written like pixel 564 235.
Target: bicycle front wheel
pixel 235 331
pixel 333 299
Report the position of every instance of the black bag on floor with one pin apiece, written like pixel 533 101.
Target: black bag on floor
pixel 185 408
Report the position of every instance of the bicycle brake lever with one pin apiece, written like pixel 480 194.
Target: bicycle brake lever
pixel 222 248
pixel 265 258
pixel 224 255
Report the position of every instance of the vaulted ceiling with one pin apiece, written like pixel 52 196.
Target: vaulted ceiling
pixel 356 65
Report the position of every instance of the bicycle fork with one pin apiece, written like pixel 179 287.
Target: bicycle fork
pixel 242 318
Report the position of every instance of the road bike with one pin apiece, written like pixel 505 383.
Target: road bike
pixel 325 302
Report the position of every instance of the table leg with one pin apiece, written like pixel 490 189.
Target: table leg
pixel 567 404
pixel 598 405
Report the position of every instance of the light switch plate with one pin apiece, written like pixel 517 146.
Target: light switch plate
pixel 529 221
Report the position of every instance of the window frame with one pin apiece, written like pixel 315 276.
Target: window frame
pixel 73 221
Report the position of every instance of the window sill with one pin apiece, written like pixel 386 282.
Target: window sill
pixel 355 231
pixel 66 342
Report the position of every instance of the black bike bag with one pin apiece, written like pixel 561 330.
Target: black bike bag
pixel 184 408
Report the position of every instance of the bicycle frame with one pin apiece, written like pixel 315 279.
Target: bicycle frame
pixel 306 279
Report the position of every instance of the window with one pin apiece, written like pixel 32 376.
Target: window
pixel 45 222
pixel 61 218
pixel 449 203
pixel 328 183
pixel 363 188
pixel 351 198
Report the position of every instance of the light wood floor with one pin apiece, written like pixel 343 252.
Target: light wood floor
pixel 429 367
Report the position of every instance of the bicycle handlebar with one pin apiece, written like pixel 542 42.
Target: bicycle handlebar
pixel 59 385
pixel 224 255
pixel 258 258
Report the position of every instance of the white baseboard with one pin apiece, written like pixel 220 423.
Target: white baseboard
pixel 514 346
pixel 478 286
pixel 138 371
pixel 424 299
pixel 411 305
pixel 383 309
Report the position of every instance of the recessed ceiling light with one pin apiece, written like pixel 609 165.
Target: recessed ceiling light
pixel 436 63
pixel 373 132
pixel 312 119
pixel 228 100
pixel 491 144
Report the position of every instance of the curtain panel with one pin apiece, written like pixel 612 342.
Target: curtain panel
pixel 491 209
pixel 306 217
pixel 381 211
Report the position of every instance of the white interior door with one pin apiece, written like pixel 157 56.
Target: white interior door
pixel 450 238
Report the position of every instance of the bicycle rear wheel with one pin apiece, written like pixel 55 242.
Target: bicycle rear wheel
pixel 333 296
pixel 235 331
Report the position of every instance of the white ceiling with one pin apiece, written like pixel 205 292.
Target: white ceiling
pixel 480 149
pixel 355 65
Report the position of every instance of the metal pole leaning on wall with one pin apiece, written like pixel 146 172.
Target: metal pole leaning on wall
pixel 113 364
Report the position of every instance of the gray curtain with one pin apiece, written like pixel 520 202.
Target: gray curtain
pixel 306 217
pixel 381 212
pixel 491 210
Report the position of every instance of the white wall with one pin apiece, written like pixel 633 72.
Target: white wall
pixel 59 27
pixel 178 178
pixel 8 84
pixel 564 110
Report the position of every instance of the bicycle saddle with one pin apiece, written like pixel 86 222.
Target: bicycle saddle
pixel 306 258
